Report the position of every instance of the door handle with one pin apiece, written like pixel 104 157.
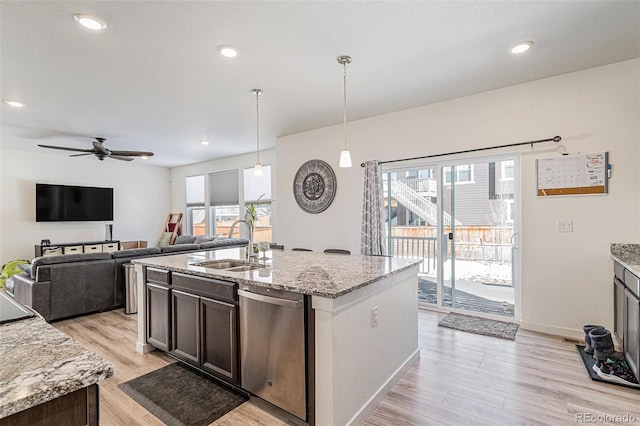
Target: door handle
pixel 451 235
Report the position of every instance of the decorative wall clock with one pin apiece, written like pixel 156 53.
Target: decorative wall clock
pixel 314 186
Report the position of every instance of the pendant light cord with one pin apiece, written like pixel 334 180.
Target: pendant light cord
pixel 257 126
pixel 344 64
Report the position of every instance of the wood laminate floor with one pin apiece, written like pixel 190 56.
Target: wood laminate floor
pixel 460 379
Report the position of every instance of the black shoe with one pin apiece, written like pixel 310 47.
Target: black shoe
pixel 587 328
pixel 616 371
pixel 602 345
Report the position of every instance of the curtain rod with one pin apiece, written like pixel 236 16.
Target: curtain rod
pixel 555 139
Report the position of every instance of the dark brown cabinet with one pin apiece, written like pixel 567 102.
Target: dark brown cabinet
pixel 158 296
pixel 195 319
pixel 158 318
pixel 185 321
pixel 219 337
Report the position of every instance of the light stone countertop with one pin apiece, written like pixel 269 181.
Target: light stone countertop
pixel 628 255
pixel 39 363
pixel 316 274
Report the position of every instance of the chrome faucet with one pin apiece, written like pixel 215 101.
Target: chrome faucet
pixel 250 245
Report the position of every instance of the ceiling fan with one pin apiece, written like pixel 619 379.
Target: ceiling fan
pixel 101 152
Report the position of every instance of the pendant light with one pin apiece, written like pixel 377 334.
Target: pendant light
pixel 257 169
pixel 345 155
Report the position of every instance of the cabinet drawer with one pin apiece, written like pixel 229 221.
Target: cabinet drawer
pixel 93 248
pixel 110 247
pixel 72 249
pixel 158 276
pixel 632 282
pixel 216 289
pixel 618 271
pixel 51 251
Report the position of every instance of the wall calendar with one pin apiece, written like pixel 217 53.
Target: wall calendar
pixel 573 174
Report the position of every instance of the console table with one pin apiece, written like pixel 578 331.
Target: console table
pixel 80 247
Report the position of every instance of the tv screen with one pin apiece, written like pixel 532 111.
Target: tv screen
pixel 62 203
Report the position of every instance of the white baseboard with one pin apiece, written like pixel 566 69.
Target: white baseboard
pixel 570 333
pixel 143 348
pixel 373 402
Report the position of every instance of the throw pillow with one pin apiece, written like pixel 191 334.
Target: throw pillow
pixel 165 238
pixel 184 239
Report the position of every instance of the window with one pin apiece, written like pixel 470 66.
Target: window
pixel 224 206
pixel 196 220
pixel 510 212
pixel 506 170
pixel 464 174
pixel 259 188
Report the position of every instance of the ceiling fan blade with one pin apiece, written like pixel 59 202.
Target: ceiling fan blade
pixel 133 153
pixel 64 148
pixel 80 155
pixel 119 157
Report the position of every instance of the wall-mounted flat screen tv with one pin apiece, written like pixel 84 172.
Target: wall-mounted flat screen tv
pixel 63 203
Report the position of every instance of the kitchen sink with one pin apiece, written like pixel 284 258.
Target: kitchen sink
pixel 229 265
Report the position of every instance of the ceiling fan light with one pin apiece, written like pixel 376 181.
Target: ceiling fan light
pixel 257 170
pixel 204 142
pixel 144 157
pixel 521 47
pixel 345 158
pixel 90 22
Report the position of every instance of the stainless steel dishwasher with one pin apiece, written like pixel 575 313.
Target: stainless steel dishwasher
pixel 272 347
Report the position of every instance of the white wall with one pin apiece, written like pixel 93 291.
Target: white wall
pixel 240 162
pixel 141 200
pixel 566 277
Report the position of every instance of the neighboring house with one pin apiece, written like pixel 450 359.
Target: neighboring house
pixel 483 193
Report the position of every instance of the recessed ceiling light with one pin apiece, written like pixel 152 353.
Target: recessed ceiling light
pixel 521 47
pixel 203 142
pixel 14 103
pixel 90 22
pixel 228 51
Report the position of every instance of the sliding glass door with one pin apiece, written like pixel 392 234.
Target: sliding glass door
pixel 411 198
pixel 460 219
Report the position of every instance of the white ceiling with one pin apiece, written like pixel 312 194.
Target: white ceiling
pixel 153 80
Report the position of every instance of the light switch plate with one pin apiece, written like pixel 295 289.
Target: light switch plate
pixel 564 226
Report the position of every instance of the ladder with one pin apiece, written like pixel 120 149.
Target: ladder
pixel 173 225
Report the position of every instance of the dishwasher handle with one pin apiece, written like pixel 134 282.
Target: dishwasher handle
pixel 272 300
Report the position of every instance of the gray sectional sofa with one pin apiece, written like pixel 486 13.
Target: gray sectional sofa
pixel 69 285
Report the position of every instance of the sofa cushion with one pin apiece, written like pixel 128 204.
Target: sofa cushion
pixel 64 258
pixel 203 239
pixel 25 267
pixel 179 248
pixel 184 239
pixel 224 242
pixel 136 252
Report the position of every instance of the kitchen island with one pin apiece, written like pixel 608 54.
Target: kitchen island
pixel 46 377
pixel 360 318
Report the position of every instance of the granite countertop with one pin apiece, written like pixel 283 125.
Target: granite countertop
pixel 316 274
pixel 39 363
pixel 628 255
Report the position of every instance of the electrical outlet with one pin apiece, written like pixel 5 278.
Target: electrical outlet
pixel 374 316
pixel 564 226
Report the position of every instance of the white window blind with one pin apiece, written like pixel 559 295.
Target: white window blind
pixel 255 186
pixel 195 190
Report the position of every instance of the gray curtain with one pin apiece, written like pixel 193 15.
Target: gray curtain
pixel 373 239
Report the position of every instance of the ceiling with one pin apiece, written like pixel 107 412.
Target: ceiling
pixel 153 79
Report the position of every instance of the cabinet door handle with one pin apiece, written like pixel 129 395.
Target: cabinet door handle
pixel 271 300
